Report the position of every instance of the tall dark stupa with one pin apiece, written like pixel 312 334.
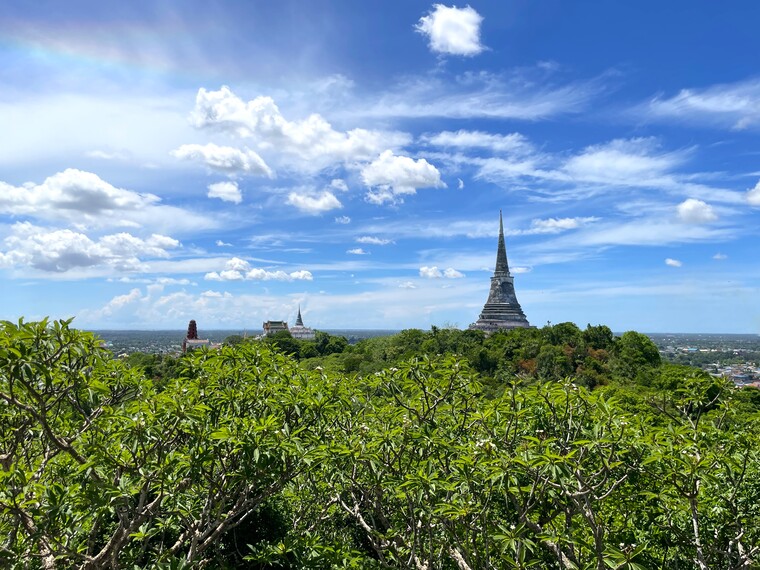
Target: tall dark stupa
pixel 501 311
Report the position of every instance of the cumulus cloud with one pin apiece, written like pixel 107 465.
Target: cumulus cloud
pixel 692 211
pixel 343 220
pixel 121 301
pixel 389 176
pixel 452 30
pixel 451 273
pixel 225 191
pixel 357 251
pixel 673 262
pixel 237 264
pixel 211 294
pixel 59 251
pixel 237 269
pixel 72 193
pixel 435 273
pixel 221 243
pixel 224 159
pixel 312 140
pixel 314 202
pixel 84 198
pixel 753 195
pixel 373 240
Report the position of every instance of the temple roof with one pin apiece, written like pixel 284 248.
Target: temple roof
pixel 299 320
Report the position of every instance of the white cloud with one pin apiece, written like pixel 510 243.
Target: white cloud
pixel 623 161
pixel 147 281
pixel 390 176
pixel 373 240
pixel 211 294
pixel 59 251
pixel 637 163
pixel 673 262
pixel 236 269
pixel 342 220
pixel 357 251
pixel 224 158
pixel 230 275
pixel 732 105
pixel 435 273
pixel 407 285
pixel 452 30
pixel 72 194
pixel 643 231
pixel 312 140
pixel 451 273
pixel 301 275
pixel 263 275
pixel 753 195
pixel 720 256
pixel 84 198
pixel 109 155
pixel 556 225
pixel 512 142
pixel 692 211
pixel 314 203
pixel 225 191
pixel 339 184
pixel 121 301
pixel 430 272
pixel 221 243
pixel 237 264
pixel 478 95
pixel 460 183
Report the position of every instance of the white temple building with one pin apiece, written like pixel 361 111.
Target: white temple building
pixel 299 331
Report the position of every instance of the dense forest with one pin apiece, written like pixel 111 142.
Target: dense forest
pixel 534 448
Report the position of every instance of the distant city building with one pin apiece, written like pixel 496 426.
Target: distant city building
pixel 271 327
pixel 299 331
pixel 501 311
pixel 192 341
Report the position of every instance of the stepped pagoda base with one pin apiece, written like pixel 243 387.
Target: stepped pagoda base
pixel 503 318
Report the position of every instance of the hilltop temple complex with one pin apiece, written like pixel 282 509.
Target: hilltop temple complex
pixel 192 341
pixel 502 310
pixel 299 331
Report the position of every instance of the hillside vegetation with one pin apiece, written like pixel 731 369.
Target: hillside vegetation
pixel 537 448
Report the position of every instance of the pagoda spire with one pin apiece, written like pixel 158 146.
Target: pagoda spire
pixel 502 267
pixel 501 311
pixel 299 320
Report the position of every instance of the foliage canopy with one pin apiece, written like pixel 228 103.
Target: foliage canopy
pixel 247 458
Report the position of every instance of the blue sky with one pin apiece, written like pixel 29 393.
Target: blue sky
pixel 228 161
